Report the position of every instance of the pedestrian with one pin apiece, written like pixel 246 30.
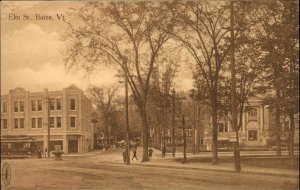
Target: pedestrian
pixel 46 151
pixel 134 153
pixel 164 150
pixel 150 151
pixel 124 153
pixel 39 153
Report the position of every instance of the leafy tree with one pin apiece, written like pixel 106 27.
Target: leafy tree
pixel 160 91
pixel 201 28
pixel 123 33
pixel 104 99
pixel 277 32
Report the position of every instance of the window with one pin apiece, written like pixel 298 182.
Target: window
pixel 4 123
pixel 16 107
pixel 51 104
pixel 252 135
pixel 72 104
pixel 4 107
pixel 22 106
pixel 252 112
pixel 40 105
pixel 286 126
pixel 40 122
pixel 72 122
pixel 16 123
pixel 51 122
pixel 58 122
pixel 58 104
pixel 22 123
pixel 33 105
pixel 223 127
pixel 33 124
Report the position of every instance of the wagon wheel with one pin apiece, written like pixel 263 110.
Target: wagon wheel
pixel 6 174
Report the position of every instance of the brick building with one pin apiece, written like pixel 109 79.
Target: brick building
pixel 28 114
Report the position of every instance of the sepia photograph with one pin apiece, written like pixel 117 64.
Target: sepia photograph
pixel 149 95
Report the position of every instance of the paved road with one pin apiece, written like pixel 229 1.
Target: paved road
pixel 95 172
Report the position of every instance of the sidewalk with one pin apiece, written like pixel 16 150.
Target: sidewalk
pixel 169 162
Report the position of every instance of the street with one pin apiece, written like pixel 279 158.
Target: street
pixel 100 172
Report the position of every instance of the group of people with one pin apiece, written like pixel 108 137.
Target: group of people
pixel 134 151
pixel 101 146
pixel 41 153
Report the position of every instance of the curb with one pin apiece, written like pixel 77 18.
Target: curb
pixel 215 170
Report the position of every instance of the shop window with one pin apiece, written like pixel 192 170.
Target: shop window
pixel 252 135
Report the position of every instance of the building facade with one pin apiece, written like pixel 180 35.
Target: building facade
pixel 66 112
pixel 257 128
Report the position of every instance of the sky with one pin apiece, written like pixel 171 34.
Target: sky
pixel 31 51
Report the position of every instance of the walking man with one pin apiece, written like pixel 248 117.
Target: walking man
pixel 134 152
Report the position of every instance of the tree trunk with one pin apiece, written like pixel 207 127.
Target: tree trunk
pixel 214 129
pixel 291 136
pixel 277 123
pixel 145 135
pixel 236 149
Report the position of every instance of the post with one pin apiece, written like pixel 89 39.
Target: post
pixel 127 118
pixel 236 150
pixel 184 139
pixel 194 131
pixel 173 123
pixel 48 147
pixel 197 127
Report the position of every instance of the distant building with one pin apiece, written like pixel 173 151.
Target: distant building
pixel 25 114
pixel 257 130
pixel 257 127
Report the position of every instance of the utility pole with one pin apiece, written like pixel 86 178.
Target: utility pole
pixel 236 149
pixel 127 116
pixel 173 123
